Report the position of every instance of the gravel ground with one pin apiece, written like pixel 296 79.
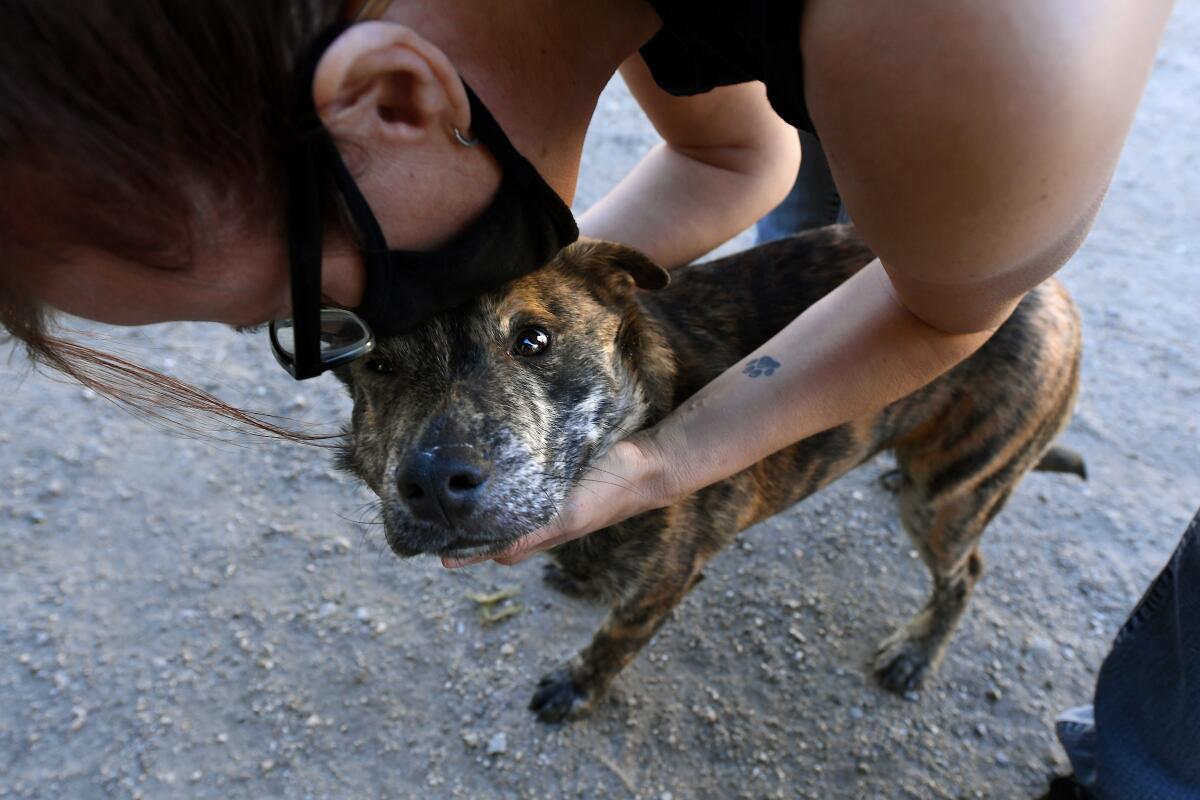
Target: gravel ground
pixel 184 618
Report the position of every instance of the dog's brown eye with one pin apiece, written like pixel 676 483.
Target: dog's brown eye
pixel 379 366
pixel 531 342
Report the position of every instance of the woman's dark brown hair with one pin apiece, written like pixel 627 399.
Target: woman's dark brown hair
pixel 126 126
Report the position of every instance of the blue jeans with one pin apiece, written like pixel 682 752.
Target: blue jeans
pixel 813 202
pixel 1141 737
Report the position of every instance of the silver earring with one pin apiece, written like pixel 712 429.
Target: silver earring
pixel 464 140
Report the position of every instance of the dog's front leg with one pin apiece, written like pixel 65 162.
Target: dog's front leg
pixel 575 688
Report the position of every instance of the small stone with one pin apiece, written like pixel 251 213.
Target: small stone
pixel 79 716
pixel 326 610
pixel 994 694
pixel 497 745
pixel 863 768
pixel 1002 758
pixel 313 721
pixel 470 738
pixel 362 614
pixel 266 765
pixel 507 649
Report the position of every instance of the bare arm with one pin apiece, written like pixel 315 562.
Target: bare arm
pixel 726 160
pixel 974 172
pixel 973 165
pixel 850 354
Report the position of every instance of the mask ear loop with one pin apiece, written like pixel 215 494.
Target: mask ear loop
pixel 305 224
pixel 304 210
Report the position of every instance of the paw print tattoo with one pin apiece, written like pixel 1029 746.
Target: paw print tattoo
pixel 764 365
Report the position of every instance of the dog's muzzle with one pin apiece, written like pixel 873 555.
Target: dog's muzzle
pixel 445 484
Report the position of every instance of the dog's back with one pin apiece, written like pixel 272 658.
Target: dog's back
pixel 962 443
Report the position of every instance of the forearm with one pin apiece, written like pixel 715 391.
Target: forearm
pixel 677 205
pixel 849 355
pixel 726 159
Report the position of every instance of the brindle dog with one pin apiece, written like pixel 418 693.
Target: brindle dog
pixel 473 428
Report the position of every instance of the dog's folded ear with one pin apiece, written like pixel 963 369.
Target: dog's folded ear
pixel 645 273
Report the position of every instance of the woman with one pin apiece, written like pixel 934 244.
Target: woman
pixel 972 145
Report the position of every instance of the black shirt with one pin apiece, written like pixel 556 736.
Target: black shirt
pixel 704 44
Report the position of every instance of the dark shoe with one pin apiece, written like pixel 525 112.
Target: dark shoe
pixel 1066 788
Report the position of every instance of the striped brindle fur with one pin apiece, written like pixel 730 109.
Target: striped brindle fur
pixel 460 403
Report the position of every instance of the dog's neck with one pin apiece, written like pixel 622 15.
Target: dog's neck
pixel 652 361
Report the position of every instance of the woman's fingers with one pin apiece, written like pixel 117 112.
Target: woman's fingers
pixel 534 543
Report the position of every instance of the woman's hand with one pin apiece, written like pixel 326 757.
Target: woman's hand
pixel 627 480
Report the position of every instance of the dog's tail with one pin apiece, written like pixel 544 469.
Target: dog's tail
pixel 1060 459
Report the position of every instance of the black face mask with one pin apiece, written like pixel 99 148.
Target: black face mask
pixel 525 225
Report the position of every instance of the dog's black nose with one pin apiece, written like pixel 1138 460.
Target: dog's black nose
pixel 443 484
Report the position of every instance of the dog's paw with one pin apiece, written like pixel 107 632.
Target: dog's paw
pixel 902 663
pixel 567 584
pixel 559 698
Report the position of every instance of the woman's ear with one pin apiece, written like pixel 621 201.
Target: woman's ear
pixel 380 80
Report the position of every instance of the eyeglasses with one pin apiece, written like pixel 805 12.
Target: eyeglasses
pixel 341 337
pixel 315 339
